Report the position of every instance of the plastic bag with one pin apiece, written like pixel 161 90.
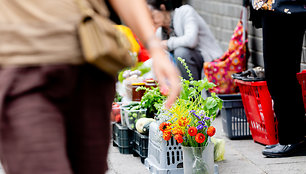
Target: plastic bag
pixel 219 149
pixel 130 36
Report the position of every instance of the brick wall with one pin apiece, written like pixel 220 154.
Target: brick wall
pixel 222 16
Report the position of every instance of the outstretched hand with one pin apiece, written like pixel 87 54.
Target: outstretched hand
pixel 143 26
pixel 167 75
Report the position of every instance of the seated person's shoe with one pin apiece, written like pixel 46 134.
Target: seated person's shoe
pixel 284 150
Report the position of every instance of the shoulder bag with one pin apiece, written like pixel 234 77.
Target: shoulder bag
pixel 102 44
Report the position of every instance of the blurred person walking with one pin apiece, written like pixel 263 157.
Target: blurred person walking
pixel 184 33
pixel 283 25
pixel 54 107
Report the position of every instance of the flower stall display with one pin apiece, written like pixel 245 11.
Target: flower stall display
pixel 190 123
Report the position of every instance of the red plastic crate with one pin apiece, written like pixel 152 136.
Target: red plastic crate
pixel 258 108
pixel 302 80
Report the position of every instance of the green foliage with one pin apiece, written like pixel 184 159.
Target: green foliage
pixel 193 88
pixel 118 97
pixel 152 100
pixel 192 91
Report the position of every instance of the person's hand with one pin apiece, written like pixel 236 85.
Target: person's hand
pixel 167 75
pixel 143 26
pixel 164 44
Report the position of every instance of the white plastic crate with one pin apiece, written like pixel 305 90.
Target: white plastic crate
pixel 164 157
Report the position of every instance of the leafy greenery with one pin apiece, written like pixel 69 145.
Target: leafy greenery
pixel 152 100
pixel 193 88
pixel 192 91
pixel 118 97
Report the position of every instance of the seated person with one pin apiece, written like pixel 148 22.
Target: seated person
pixel 185 34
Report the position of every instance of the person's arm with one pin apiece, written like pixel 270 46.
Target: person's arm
pixel 135 14
pixel 191 31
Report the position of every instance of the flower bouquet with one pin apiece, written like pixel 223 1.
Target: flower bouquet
pixel 190 121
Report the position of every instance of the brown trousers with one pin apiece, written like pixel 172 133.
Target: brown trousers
pixel 55 119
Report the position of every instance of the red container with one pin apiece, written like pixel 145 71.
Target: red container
pixel 258 107
pixel 302 80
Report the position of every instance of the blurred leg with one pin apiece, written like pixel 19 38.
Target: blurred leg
pixel 32 132
pixel 88 122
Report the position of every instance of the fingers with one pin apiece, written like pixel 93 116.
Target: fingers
pixel 162 80
pixel 174 86
pixel 167 76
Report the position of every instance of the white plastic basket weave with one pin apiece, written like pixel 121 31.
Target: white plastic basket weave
pixel 164 157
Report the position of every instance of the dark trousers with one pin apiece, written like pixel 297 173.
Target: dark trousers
pixel 282 48
pixel 55 119
pixel 193 59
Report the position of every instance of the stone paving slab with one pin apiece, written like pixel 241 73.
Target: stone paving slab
pixel 124 163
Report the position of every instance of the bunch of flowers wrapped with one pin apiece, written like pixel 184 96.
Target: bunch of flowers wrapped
pixel 190 118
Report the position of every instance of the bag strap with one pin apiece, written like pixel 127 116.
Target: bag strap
pixel 243 19
pixel 245 22
pixel 90 7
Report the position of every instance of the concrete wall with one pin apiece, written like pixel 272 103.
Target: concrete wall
pixel 222 16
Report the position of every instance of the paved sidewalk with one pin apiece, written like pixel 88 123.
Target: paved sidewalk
pixel 241 157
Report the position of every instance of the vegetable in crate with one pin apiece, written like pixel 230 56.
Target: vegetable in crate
pixel 152 100
pixel 118 97
pixel 142 125
pixel 134 112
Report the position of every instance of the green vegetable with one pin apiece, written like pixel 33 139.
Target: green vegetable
pixel 152 100
pixel 118 97
pixel 134 115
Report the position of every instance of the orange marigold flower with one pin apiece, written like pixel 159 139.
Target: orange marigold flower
pixel 180 122
pixel 211 131
pixel 163 126
pixel 166 136
pixel 177 131
pixel 200 138
pixel 179 138
pixel 183 121
pixel 192 131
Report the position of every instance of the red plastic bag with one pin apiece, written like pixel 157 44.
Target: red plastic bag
pixel 143 54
